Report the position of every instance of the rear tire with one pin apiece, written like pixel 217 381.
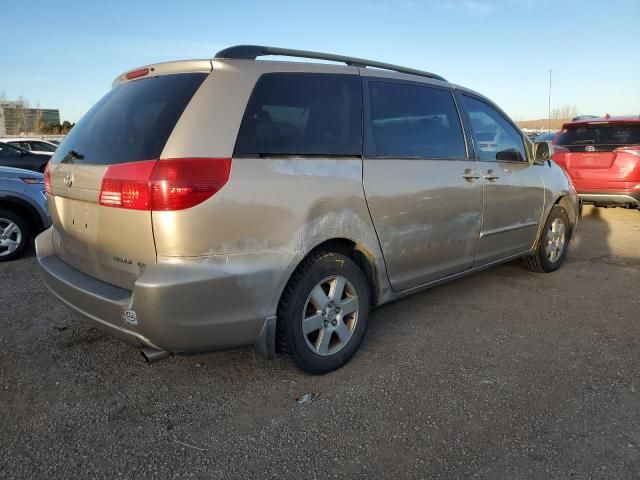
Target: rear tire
pixel 15 235
pixel 554 243
pixel 323 312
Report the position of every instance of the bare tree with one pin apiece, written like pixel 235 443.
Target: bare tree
pixel 564 112
pixel 38 122
pixel 22 99
pixel 21 113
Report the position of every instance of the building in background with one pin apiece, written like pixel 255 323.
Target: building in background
pixel 17 118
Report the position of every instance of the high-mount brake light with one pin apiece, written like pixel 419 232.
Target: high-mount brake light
pixel 140 72
pixel 163 185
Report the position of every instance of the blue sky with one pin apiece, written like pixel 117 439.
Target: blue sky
pixel 65 55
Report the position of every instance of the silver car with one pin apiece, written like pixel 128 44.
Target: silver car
pixel 207 204
pixel 23 210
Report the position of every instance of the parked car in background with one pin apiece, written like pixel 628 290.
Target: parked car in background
pixel 12 156
pixel 33 145
pixel 545 137
pixel 584 117
pixel 602 157
pixel 23 210
pixel 208 204
pixel 531 135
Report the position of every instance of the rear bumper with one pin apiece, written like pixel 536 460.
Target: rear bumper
pixel 611 198
pixel 178 305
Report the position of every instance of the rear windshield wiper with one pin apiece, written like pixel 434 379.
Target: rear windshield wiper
pixel 582 142
pixel 72 156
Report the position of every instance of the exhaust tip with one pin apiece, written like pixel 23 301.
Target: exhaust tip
pixel 151 355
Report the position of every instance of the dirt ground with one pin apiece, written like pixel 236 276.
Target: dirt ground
pixel 504 374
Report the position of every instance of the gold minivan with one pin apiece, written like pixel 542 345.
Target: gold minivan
pixel 207 204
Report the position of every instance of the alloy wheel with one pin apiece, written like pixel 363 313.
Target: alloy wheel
pixel 10 236
pixel 556 238
pixel 330 315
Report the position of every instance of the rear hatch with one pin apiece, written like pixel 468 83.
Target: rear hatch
pixel 96 233
pixel 597 151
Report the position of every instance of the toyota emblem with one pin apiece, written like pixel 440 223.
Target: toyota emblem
pixel 68 179
pixel 590 148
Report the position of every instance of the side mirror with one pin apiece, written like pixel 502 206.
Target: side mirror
pixel 509 155
pixel 542 151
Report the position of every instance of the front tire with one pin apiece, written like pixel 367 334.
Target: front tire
pixel 14 235
pixel 554 243
pixel 323 313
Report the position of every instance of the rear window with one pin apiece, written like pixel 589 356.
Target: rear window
pixel 303 114
pixel 130 123
pixel 606 136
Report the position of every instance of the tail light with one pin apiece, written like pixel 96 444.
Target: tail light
pixel 171 184
pixel 47 179
pixel 632 149
pixel 558 156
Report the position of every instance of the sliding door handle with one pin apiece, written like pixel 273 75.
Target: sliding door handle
pixel 469 175
pixel 491 176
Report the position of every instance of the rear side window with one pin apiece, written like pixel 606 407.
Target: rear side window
pixel 409 121
pixel 130 123
pixel 492 132
pixel 603 136
pixel 303 114
pixel 43 147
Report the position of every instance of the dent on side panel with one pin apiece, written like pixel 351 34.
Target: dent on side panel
pixel 272 212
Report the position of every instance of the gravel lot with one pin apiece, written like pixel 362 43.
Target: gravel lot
pixel 504 374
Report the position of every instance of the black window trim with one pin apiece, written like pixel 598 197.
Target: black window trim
pixel 301 155
pixel 368 134
pixel 526 144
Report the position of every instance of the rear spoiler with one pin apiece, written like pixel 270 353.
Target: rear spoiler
pixel 164 68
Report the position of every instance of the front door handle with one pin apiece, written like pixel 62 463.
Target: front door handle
pixel 491 176
pixel 469 175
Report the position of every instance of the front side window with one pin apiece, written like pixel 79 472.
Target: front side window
pixel 493 135
pixel 9 151
pixel 413 121
pixel 303 114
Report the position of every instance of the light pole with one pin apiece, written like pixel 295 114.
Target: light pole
pixel 549 111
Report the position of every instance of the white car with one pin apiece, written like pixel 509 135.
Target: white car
pixel 34 145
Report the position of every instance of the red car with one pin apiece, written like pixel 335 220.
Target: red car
pixel 602 157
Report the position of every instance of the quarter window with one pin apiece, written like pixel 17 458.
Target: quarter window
pixel 493 135
pixel 303 114
pixel 413 121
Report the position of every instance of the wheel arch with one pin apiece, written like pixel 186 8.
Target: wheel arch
pixel 563 200
pixel 25 210
pixel 357 251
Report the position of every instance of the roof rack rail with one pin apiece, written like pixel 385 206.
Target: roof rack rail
pixel 251 52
